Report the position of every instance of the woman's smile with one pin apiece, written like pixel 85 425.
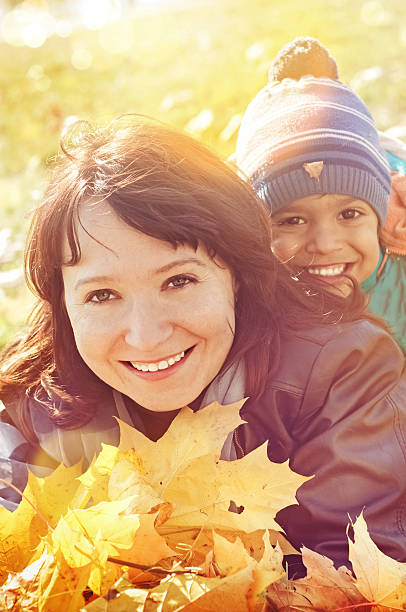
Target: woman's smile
pixel 158 370
pixel 151 320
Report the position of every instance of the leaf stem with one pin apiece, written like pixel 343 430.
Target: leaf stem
pixel 153 570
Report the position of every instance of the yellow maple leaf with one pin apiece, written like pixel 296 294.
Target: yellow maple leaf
pixel 229 557
pixel 90 536
pixel 379 578
pixel 189 436
pixel 21 530
pixel 148 547
pixel 126 481
pixel 96 478
pixel 201 492
pixel 184 468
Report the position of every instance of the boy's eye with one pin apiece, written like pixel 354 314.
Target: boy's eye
pixel 179 281
pixel 100 296
pixel 350 213
pixel 291 221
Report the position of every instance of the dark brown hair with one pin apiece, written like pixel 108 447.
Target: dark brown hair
pixel 169 186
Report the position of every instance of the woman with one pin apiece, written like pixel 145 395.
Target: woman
pixel 157 288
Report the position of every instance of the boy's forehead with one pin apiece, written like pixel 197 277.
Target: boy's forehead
pixel 327 199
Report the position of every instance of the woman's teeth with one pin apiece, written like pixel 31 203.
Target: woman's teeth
pixel 158 365
pixel 327 271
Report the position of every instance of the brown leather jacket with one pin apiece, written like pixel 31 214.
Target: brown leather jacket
pixel 336 408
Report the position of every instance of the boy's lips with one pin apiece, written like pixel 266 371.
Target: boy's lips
pixel 329 270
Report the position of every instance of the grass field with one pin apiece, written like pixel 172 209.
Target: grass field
pixel 194 65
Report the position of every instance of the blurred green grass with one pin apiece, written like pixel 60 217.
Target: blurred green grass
pixel 173 65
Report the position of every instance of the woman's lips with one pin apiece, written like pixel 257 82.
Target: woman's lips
pixel 158 370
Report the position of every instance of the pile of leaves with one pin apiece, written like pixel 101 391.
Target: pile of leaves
pixel 148 528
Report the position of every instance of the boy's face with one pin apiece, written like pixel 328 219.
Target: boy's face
pixel 329 236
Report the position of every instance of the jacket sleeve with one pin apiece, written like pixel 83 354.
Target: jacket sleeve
pixel 14 451
pixel 17 455
pixel 351 434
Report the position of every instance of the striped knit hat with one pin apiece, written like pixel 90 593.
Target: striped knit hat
pixel 311 135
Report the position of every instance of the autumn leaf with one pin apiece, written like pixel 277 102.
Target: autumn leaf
pixel 324 588
pixel 96 478
pixel 44 585
pixel 153 506
pixel 258 487
pixel 189 436
pixel 126 481
pixel 92 535
pixel 191 593
pixel 148 546
pixel 379 578
pixel 21 530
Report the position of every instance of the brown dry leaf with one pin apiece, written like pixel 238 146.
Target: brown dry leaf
pixel 44 586
pixel 267 571
pixel 21 530
pixel 191 593
pixel 124 597
pixel 201 492
pixel 324 588
pixel 379 578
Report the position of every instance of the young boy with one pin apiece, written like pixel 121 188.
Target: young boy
pixel 311 150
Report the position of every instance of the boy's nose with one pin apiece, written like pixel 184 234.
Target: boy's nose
pixel 147 326
pixel 324 240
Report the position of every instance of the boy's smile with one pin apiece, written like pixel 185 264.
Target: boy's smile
pixel 328 236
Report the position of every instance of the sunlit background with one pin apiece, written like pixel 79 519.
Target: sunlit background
pixel 192 63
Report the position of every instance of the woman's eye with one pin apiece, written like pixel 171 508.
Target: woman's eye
pixel 177 282
pixel 350 213
pixel 100 296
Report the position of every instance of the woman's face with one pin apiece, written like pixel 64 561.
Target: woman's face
pixel 152 321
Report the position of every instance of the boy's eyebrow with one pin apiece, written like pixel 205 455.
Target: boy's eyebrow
pixel 103 278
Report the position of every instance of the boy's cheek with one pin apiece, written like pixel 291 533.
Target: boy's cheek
pixel 283 248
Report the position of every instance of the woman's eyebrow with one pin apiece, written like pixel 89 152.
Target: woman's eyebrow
pixel 180 262
pixel 102 278
pixel 93 279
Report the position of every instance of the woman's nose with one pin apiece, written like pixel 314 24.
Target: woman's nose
pixel 147 325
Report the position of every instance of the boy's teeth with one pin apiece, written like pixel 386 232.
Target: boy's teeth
pixel 328 271
pixel 159 365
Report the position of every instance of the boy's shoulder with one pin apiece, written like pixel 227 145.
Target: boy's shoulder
pixel 393 234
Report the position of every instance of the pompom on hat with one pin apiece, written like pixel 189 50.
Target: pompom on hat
pixel 307 133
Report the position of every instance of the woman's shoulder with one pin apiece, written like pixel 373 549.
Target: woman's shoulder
pixel 67 445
